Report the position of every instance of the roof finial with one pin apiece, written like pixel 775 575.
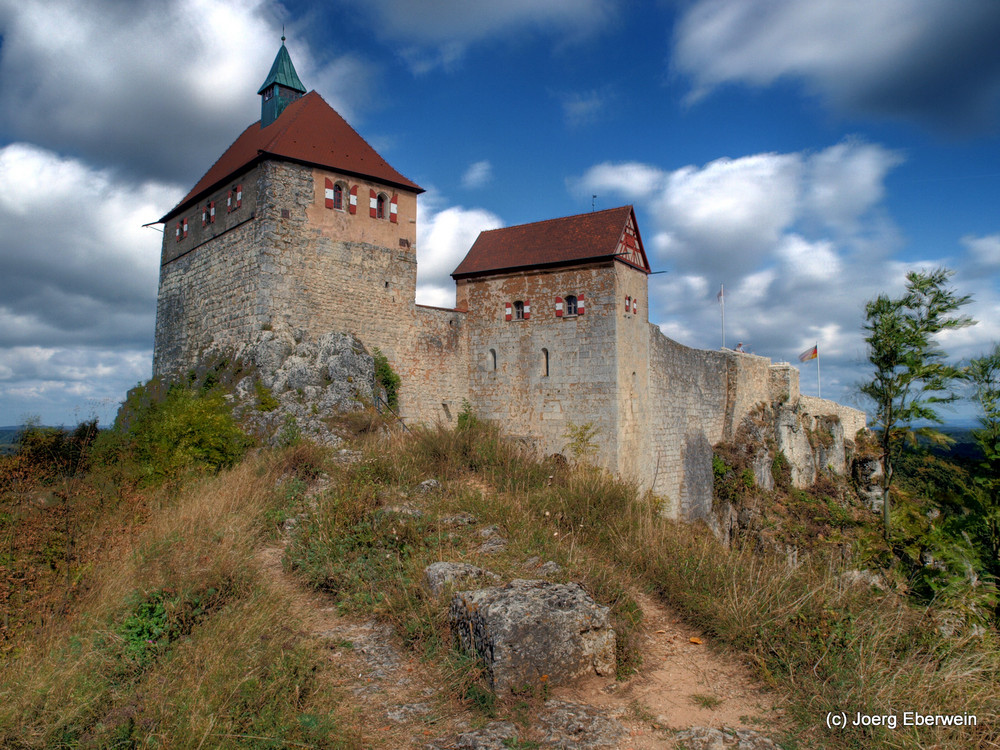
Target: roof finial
pixel 282 33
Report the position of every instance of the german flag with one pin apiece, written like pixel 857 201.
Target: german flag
pixel 810 353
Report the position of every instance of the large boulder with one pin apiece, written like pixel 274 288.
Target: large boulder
pixel 529 630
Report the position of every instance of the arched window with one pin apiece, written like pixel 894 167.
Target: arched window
pixel 493 359
pixel 545 363
pixel 380 212
pixel 338 196
pixel 519 310
pixel 571 304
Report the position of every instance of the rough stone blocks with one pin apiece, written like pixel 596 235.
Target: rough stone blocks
pixel 529 630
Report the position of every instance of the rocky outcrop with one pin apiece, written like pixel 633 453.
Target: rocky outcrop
pixel 527 630
pixel 438 576
pixel 298 386
pixel 709 738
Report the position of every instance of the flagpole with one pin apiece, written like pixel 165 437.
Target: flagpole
pixel 722 301
pixel 819 385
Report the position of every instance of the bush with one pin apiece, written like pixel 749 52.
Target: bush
pixel 387 378
pixel 164 435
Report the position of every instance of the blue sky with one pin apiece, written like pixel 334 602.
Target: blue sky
pixel 806 155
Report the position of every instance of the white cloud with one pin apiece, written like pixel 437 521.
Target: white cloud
pixel 160 88
pixel 801 241
pixel 478 174
pixel 77 264
pixel 437 33
pixel 985 251
pixel 444 236
pixel 933 60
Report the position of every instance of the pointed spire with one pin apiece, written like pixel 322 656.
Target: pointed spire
pixel 281 87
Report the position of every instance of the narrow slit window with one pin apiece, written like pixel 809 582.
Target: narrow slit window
pixel 493 359
pixel 545 363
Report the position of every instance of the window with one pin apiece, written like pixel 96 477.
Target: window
pixel 571 305
pixel 380 206
pixel 519 310
pixel 338 197
pixel 493 359
pixel 545 363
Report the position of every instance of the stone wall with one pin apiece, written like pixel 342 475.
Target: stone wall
pixel 688 397
pixel 210 282
pixel 508 380
pixel 851 419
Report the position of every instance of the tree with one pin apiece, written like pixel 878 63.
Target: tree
pixel 984 374
pixel 911 375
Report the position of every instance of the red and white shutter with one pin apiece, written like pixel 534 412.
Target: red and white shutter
pixel 204 215
pixel 229 202
pixel 354 199
pixel 393 208
pixel 184 232
pixel 508 311
pixel 579 304
pixel 239 196
pixel 372 204
pixel 329 193
pixel 559 307
pixel 635 307
pixel 211 212
pixel 527 309
pixel 628 303
pixel 178 231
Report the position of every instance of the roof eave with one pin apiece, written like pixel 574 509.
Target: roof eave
pixel 538 266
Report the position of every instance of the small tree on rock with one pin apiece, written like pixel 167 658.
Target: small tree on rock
pixel 911 377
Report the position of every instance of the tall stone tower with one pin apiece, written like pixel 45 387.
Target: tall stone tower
pixel 298 229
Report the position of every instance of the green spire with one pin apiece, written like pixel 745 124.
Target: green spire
pixel 281 88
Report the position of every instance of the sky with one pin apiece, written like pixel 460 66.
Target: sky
pixel 804 155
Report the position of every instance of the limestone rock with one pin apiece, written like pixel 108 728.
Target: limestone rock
pixel 574 726
pixel 527 629
pixel 709 738
pixel 439 575
pixel 493 541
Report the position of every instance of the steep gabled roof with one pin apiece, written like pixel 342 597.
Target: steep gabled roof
pixel 596 236
pixel 309 131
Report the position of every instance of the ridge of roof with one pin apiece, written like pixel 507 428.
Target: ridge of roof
pixel 571 217
pixel 309 131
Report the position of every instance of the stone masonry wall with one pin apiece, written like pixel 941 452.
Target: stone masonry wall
pixel 688 396
pixel 209 281
pixel 582 369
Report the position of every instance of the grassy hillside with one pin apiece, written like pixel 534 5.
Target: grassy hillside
pixel 139 612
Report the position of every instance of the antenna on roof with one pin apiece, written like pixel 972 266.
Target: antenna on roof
pixel 593 203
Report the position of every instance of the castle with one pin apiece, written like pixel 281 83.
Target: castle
pixel 301 228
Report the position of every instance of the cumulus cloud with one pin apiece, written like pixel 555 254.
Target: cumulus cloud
pixel 78 276
pixel 935 61
pixel 444 236
pixel 478 174
pixel 159 88
pixel 800 241
pixel 437 33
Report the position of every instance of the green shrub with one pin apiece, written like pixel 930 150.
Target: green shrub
pixel 165 432
pixel 387 378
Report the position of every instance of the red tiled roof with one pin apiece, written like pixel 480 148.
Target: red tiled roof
pixel 309 131
pixel 573 239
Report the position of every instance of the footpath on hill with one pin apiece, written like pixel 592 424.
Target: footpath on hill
pixel 684 694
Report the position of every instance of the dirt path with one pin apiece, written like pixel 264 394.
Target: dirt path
pixel 681 684
pixel 400 701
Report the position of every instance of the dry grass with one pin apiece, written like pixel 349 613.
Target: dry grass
pixel 232 664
